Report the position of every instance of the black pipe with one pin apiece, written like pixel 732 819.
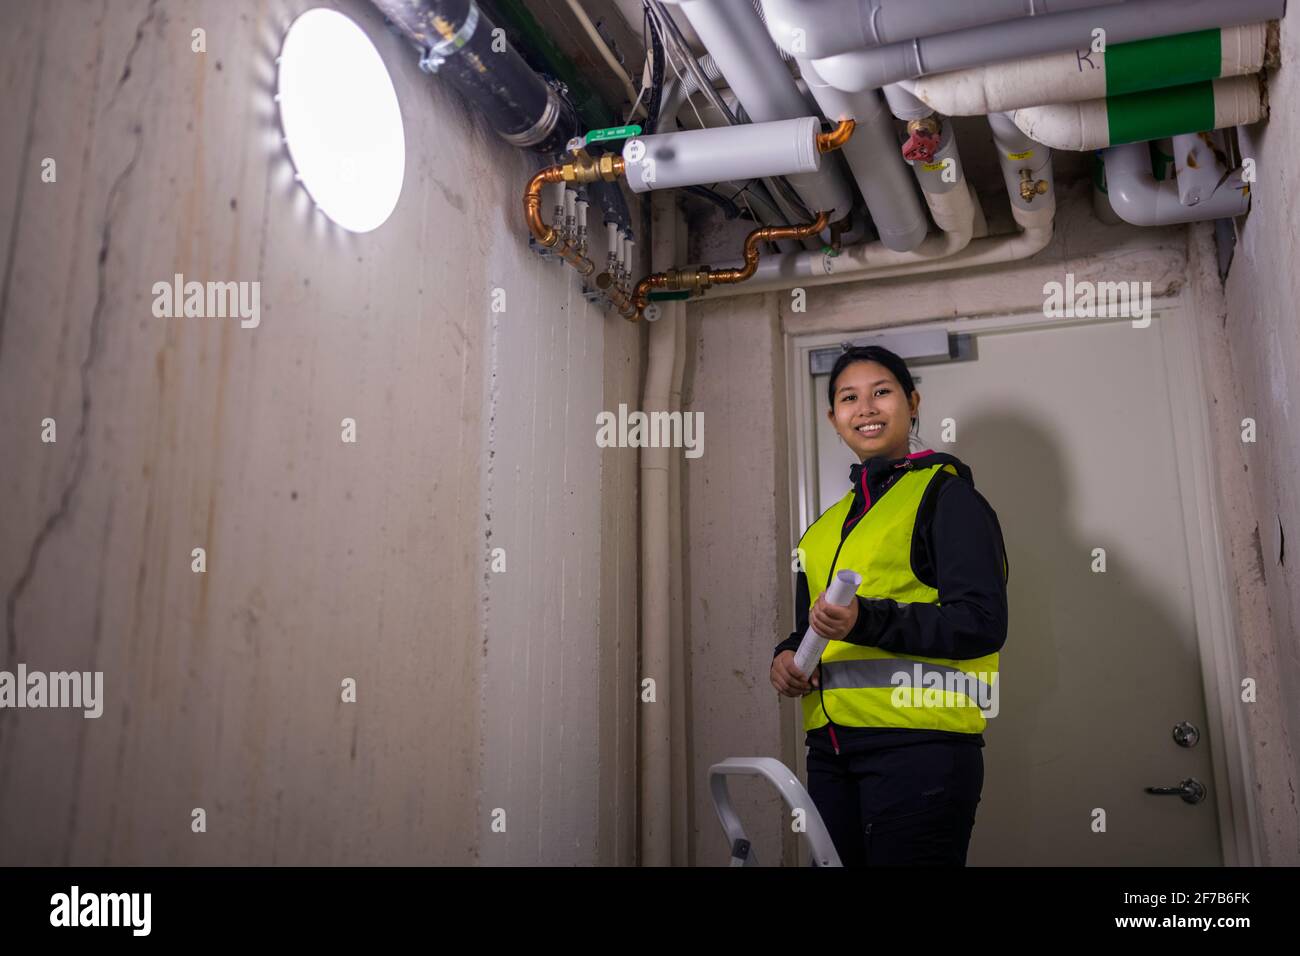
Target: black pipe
pixel 613 205
pixel 455 39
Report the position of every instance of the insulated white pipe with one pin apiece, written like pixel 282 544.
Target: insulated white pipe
pixel 1059 77
pixel 701 156
pixel 655 724
pixel 904 105
pixel 1016 39
pixel 1238 101
pixel 953 250
pixel 1138 198
pixel 676 313
pixel 743 50
pixel 1022 161
pixel 817 28
pixel 874 159
pixel 946 191
pixel 954 211
pixel 981 252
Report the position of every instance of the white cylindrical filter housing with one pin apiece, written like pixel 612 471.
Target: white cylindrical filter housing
pixel 842 592
pixel 703 156
pixel 582 213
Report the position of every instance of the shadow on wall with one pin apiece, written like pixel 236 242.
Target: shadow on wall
pixel 1076 727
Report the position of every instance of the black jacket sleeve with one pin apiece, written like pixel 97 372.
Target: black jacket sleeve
pixel 801 600
pixel 966 554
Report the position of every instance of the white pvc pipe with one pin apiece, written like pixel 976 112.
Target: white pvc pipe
pixel 1035 36
pixel 842 592
pixel 1138 198
pixel 1058 77
pixel 655 723
pixel 981 252
pixel 701 156
pixel 936 254
pixel 1081 127
pixel 1017 153
pixel 873 157
pixel 740 45
pixel 817 28
pixel 904 105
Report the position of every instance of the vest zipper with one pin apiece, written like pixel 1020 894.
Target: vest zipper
pixel 906 464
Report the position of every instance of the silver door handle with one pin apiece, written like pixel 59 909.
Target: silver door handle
pixel 1191 790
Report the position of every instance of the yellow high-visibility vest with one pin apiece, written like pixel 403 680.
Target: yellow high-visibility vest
pixel 866 686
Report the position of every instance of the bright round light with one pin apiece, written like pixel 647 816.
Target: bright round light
pixel 341 120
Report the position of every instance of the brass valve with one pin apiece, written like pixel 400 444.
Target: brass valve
pixel 1030 187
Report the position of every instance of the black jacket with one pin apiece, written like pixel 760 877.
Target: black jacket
pixel 957 548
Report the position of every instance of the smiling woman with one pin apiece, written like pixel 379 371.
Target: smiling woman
pixel 342 125
pixel 897 777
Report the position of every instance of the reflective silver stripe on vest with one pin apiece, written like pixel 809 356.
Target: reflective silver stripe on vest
pixel 880 672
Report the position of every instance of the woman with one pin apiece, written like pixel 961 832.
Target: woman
pixel 895 710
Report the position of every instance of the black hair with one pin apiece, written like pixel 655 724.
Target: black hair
pixel 872 353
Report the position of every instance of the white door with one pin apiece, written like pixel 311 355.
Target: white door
pixel 1070 435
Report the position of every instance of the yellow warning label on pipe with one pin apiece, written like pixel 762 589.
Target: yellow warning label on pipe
pixel 1020 157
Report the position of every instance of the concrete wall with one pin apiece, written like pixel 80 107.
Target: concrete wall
pixel 325 560
pixel 1261 342
pixel 738 493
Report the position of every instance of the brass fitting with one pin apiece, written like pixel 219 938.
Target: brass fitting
pixel 1030 187
pixel 928 123
pixel 584 169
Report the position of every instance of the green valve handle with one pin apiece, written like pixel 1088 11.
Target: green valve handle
pixel 613 132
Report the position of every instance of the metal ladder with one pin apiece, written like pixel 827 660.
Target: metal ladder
pixel 792 792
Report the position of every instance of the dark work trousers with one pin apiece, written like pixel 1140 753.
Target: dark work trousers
pixel 912 804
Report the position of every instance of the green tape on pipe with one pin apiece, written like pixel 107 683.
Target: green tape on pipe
pixel 668 296
pixel 1157 113
pixel 1163 61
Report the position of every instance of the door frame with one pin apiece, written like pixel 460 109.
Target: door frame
pixel 1215 620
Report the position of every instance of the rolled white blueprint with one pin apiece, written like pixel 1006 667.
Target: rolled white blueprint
pixel 842 590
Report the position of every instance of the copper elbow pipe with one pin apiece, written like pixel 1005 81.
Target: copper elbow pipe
pixel 533 205
pixel 766 234
pixel 836 137
pixel 586 170
pixel 700 279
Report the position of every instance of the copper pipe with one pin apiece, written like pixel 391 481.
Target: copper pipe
pixel 533 205
pixel 696 281
pixel 836 137
pixel 585 170
pixel 766 234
